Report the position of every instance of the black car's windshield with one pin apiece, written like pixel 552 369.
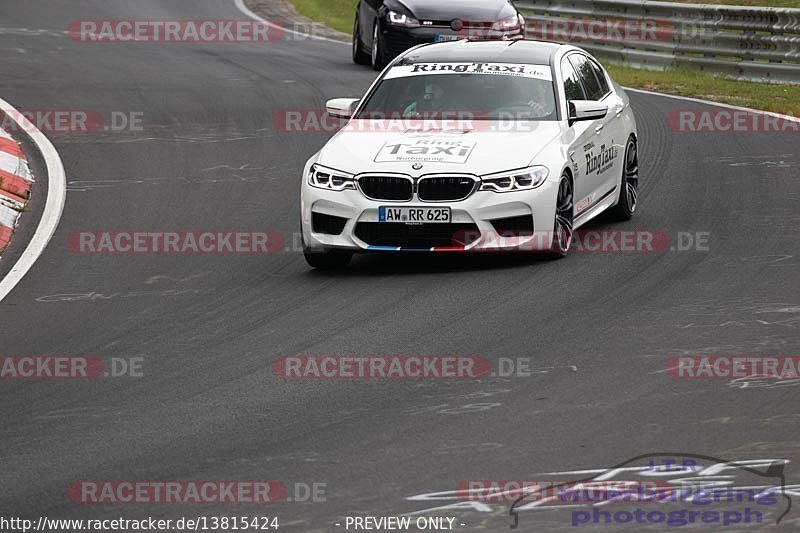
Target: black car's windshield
pixel 485 91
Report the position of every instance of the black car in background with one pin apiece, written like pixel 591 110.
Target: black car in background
pixel 384 29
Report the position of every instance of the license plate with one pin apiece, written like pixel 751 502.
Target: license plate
pixel 444 38
pixel 414 215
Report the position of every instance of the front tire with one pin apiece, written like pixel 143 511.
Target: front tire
pixel 328 260
pixel 378 53
pixel 564 219
pixel 359 56
pixel 629 193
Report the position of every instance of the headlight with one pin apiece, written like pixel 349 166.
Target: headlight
pixel 401 19
pixel 333 180
pixel 507 24
pixel 515 180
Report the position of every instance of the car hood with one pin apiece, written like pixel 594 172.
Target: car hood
pixel 358 148
pixel 470 10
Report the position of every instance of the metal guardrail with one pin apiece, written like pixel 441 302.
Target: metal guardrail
pixel 752 43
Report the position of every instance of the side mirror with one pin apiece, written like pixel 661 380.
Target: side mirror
pixel 342 107
pixel 586 110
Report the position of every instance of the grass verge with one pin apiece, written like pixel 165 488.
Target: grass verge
pixel 769 97
pixel 336 14
pixel 760 3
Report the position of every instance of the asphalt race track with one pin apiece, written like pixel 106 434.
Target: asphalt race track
pixel 598 327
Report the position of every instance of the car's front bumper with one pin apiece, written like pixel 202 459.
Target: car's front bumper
pixel 398 39
pixel 478 223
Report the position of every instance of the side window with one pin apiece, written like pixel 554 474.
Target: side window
pixel 601 78
pixel 572 84
pixel 585 70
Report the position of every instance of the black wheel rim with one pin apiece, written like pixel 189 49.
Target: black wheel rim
pixel 631 175
pixel 564 214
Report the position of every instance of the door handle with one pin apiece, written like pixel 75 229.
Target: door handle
pixel 620 109
pixel 599 128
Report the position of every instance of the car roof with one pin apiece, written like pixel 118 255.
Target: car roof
pixel 521 51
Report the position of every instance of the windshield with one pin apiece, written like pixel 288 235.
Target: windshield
pixel 485 91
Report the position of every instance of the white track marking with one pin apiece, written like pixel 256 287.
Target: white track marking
pixel 240 5
pixel 56 196
pixel 718 104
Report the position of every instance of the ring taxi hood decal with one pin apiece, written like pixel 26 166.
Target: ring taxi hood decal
pixel 538 72
pixel 426 149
